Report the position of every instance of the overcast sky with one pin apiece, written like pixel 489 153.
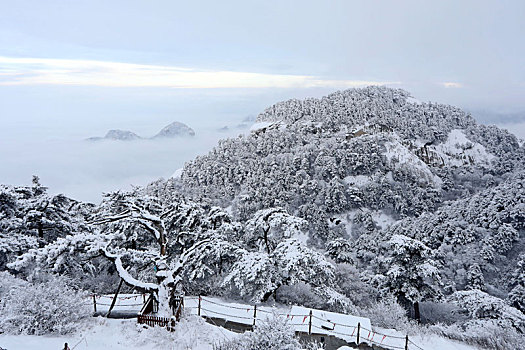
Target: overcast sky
pixel 73 69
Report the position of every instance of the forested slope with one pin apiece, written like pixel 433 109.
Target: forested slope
pixel 360 199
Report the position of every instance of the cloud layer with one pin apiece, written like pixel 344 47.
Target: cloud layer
pixel 32 71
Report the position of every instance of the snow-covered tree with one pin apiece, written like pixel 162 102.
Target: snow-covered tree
pixel 340 250
pixel 410 272
pixel 517 294
pixel 480 305
pixel 132 233
pixel 475 278
pixel 31 218
pixel 268 227
pixel 259 275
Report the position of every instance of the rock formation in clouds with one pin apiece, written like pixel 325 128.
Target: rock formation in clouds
pixel 116 134
pixel 175 129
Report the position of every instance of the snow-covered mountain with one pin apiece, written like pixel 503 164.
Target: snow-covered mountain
pixel 175 129
pixel 423 199
pixel 362 198
pixel 121 135
pixel 361 149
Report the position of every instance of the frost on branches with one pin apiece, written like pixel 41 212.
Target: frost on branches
pixel 271 334
pixel 259 274
pixel 342 202
pixel 409 271
pixel 276 257
pixel 31 218
pixel 49 306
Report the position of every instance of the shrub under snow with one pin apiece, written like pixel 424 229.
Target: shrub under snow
pixel 493 324
pixel 272 334
pixel 386 313
pixel 482 306
pixel 487 333
pixel 40 308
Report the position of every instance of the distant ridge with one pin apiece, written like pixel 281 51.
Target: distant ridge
pixel 173 130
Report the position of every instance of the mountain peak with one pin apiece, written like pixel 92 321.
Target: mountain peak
pixel 123 135
pixel 175 129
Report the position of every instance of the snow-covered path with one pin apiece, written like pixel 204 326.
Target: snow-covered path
pixel 102 333
pixel 322 322
pixel 125 303
pixel 194 333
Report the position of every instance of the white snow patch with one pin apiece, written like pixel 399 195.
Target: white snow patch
pixel 349 221
pixel 399 155
pixel 459 150
pixel 357 180
pixel 261 126
pixel 396 339
pixel 396 152
pixel 420 142
pixel 328 323
pixel 102 333
pixel 358 127
pixel 302 237
pixel 231 311
pixel 413 100
pixel 177 174
pixel 382 220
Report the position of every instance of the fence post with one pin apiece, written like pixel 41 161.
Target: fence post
pixel 94 303
pixel 406 342
pixel 254 314
pixel 199 308
pixel 358 330
pixel 310 324
pixel 115 297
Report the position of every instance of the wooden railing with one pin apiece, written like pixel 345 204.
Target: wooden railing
pixel 152 321
pixel 167 322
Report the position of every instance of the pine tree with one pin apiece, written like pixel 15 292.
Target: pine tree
pixel 475 278
pixel 517 294
pixel 410 272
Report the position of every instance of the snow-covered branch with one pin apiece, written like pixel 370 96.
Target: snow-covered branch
pixel 126 276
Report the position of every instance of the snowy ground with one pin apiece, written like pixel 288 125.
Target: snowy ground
pixel 102 333
pixel 235 312
pixel 323 322
pixel 126 303
pixel 193 333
